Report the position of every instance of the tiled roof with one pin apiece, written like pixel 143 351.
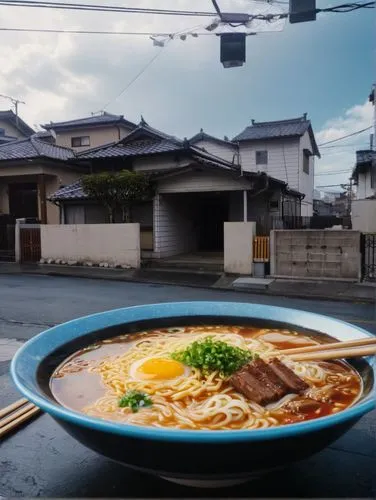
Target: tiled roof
pixel 17 122
pixel 295 127
pixel 271 130
pixel 104 119
pixel 72 192
pixel 75 192
pixel 32 147
pixel 203 136
pixel 134 148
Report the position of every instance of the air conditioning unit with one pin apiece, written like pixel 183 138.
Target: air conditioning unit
pixel 233 49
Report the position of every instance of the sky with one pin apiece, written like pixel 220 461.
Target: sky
pixel 325 68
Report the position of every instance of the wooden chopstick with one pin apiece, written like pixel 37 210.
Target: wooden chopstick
pixel 349 352
pixel 15 414
pixel 20 420
pixel 330 347
pixel 8 409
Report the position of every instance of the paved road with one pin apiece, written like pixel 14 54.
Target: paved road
pixel 41 460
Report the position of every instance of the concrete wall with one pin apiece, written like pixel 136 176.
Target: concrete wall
pixel 315 254
pixel 111 243
pixel 363 215
pixel 98 136
pixel 238 247
pixel 173 227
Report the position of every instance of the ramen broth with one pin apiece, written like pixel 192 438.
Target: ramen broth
pixel 94 379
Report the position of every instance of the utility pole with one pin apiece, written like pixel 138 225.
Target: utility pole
pixel 15 103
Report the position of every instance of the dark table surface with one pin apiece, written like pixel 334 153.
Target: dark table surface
pixel 41 459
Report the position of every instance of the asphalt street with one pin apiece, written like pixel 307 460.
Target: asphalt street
pixel 42 460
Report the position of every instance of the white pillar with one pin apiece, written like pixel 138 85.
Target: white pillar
pixel 245 206
pixel 17 242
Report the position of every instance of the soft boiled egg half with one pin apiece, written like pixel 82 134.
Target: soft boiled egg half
pixel 157 369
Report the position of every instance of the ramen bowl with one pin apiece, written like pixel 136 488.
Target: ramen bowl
pixel 190 457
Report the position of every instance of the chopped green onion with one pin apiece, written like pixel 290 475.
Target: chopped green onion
pixel 211 355
pixel 135 400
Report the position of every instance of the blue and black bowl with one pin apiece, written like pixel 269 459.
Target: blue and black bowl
pixel 200 458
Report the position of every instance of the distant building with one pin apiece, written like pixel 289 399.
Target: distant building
pixel 322 207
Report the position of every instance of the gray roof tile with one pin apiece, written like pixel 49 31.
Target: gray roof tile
pixel 272 130
pixel 104 119
pixel 203 136
pixel 32 147
pixel 134 148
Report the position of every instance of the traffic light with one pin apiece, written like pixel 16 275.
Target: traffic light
pixel 232 49
pixel 302 11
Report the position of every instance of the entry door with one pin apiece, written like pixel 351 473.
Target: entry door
pixel 23 200
pixel 213 213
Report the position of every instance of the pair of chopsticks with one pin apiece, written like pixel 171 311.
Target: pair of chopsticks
pixel 336 350
pixel 14 415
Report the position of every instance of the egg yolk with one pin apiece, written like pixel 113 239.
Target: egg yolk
pixel 160 369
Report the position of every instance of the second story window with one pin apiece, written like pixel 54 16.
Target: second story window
pixel 78 142
pixel 306 155
pixel 261 157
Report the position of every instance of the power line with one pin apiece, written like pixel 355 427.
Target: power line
pixel 345 146
pixel 346 136
pixel 102 8
pixel 137 10
pixel 136 77
pixel 334 173
pixel 89 32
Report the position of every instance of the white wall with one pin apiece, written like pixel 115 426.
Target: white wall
pixel 238 247
pixel 173 227
pixel 280 151
pixel 111 243
pixel 201 181
pixel 224 151
pixel 364 189
pixel 363 215
pixel 285 162
pixel 306 181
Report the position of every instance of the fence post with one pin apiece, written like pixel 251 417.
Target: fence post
pixel 17 240
pixel 272 252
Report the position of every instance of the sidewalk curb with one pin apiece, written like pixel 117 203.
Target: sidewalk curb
pixel 129 276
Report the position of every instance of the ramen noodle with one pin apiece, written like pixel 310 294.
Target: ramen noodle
pixel 94 381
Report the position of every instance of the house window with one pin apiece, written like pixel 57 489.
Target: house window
pixel 77 142
pixel 306 156
pixel 261 157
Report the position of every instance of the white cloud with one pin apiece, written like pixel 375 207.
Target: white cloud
pixel 340 156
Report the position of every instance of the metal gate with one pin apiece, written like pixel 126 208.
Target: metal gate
pixel 30 247
pixel 368 249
